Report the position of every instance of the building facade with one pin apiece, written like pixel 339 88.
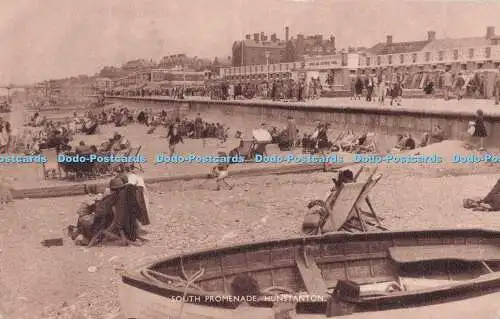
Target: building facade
pixel 458 55
pixel 171 77
pixel 164 77
pixel 262 49
pixel 334 71
pixel 259 50
pixel 260 73
pixel 413 61
pixel 102 83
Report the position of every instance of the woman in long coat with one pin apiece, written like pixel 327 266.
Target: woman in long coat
pixel 480 129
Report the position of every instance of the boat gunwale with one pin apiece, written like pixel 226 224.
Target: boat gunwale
pixel 131 277
pixel 313 239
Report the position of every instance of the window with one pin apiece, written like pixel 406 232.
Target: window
pixel 455 54
pixel 414 58
pixel 379 60
pixel 389 59
pixel 368 61
pixel 261 68
pixel 487 52
pixel 401 58
pixel 427 56
pixel 441 55
pixel 471 53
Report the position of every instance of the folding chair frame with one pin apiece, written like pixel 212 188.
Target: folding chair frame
pixel 356 212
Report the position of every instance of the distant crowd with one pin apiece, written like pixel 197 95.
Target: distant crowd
pixel 279 89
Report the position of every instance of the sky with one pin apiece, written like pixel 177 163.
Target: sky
pixel 48 39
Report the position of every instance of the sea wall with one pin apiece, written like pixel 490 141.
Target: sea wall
pixel 381 120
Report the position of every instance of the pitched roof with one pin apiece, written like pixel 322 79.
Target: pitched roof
pixel 448 43
pixel 397 47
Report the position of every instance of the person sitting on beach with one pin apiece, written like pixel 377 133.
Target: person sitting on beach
pixel 405 142
pixel 437 134
pixel 491 202
pixel 83 149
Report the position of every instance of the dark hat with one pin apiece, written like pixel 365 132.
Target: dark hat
pixel 116 183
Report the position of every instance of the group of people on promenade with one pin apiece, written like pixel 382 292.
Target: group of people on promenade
pixel 274 89
pixel 377 88
pixel 457 85
pixel 454 85
pixel 176 92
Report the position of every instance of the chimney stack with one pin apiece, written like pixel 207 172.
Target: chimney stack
pixel 274 38
pixel 262 37
pixel 431 35
pixel 389 39
pixel 287 33
pixel 247 37
pixel 332 41
pixel 256 37
pixel 490 32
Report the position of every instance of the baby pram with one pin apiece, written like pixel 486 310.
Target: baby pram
pixel 248 149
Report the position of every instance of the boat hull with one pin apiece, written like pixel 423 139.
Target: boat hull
pixel 141 304
pixel 461 265
pixel 137 303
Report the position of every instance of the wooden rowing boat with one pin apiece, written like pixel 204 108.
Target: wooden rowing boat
pixel 338 273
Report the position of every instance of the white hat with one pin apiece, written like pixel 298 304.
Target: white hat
pixel 472 123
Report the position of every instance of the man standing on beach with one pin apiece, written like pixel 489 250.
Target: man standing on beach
pixel 174 137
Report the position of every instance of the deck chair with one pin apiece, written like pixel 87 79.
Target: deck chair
pixel 344 206
pixel 117 166
pixel 315 220
pixel 336 142
pixel 134 151
pixel 348 141
pixel 369 145
pixel 364 220
pixel 245 149
pixel 51 169
pixel 109 233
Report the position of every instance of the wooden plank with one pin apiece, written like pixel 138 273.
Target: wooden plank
pixel 410 254
pixel 311 275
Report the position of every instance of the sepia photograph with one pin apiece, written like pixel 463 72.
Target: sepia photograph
pixel 249 159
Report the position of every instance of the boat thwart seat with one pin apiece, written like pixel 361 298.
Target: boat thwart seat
pixel 311 274
pixel 470 253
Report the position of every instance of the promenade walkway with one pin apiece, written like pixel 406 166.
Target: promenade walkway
pixel 431 105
